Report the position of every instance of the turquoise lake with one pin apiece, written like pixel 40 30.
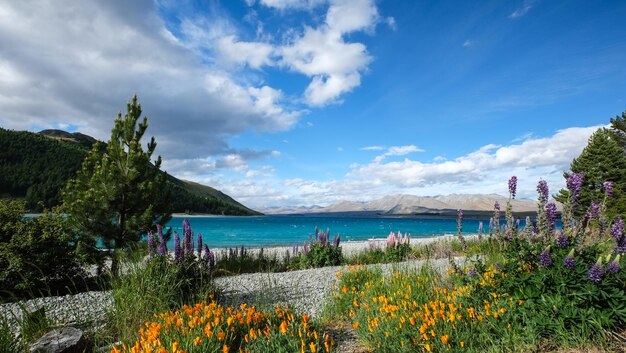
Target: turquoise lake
pixel 263 231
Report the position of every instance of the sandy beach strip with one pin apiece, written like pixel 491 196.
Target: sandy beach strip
pixel 348 248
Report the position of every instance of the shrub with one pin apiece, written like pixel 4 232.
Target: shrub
pixel 321 251
pixel 36 253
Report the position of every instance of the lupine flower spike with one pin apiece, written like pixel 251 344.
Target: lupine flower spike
pixel 569 261
pixel 596 272
pixel 545 258
pixel 151 244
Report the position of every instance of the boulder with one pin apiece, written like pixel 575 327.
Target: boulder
pixel 60 340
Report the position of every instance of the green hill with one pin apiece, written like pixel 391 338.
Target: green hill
pixel 36 166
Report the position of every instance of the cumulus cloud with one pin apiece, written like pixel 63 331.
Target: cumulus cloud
pixel 322 53
pixel 484 170
pixel 77 63
pixel 252 54
pixel 547 155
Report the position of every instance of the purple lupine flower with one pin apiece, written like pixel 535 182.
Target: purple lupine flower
pixel 187 238
pixel 337 240
pixel 596 272
pixel 594 211
pixel 209 258
pixel 295 250
pixel 306 248
pixel 513 186
pixel 608 188
pixel 517 222
pixel 617 228
pixel 459 220
pixel 480 227
pixel 561 239
pixel 496 206
pixel 151 245
pixel 614 265
pixel 542 189
pixel 545 258
pixel 569 261
pixel 199 241
pixel 162 244
pixel 491 223
pixel 574 184
pixel 621 246
pixel 472 272
pixel 323 238
pixel 178 251
pixel 551 213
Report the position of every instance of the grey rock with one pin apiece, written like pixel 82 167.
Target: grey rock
pixel 60 340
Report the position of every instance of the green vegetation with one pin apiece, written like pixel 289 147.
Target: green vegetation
pixel 37 253
pixel 602 159
pixel 158 285
pixel 118 196
pixel 26 173
pixel 26 170
pixel 525 291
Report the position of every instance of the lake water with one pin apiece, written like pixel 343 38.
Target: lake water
pixel 290 230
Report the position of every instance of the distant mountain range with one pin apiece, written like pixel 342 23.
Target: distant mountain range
pixel 36 166
pixel 399 205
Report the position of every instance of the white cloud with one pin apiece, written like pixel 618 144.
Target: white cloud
pixel 523 10
pixel 391 22
pixel 253 54
pixel 345 16
pixel 372 148
pixel 468 43
pixel 397 151
pixel 77 63
pixel 544 155
pixel 322 53
pixel 485 170
pixel 292 4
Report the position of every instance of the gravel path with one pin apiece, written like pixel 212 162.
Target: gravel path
pixel 303 290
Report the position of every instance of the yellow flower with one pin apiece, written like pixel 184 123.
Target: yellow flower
pixel 283 327
pixel 427 347
pixel 197 341
pixel 355 325
pixel 225 349
pixel 313 347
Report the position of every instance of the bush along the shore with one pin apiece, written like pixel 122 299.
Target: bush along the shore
pixel 38 256
pixel 320 251
pixel 535 288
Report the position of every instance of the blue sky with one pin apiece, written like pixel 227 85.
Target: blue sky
pixel 302 102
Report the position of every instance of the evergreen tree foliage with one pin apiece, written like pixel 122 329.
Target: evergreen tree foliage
pixel 602 159
pixel 119 195
pixel 618 127
pixel 26 170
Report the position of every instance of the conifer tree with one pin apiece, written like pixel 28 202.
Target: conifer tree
pixel 118 196
pixel 603 159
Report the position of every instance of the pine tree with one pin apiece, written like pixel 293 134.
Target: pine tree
pixel 618 127
pixel 118 196
pixel 603 159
